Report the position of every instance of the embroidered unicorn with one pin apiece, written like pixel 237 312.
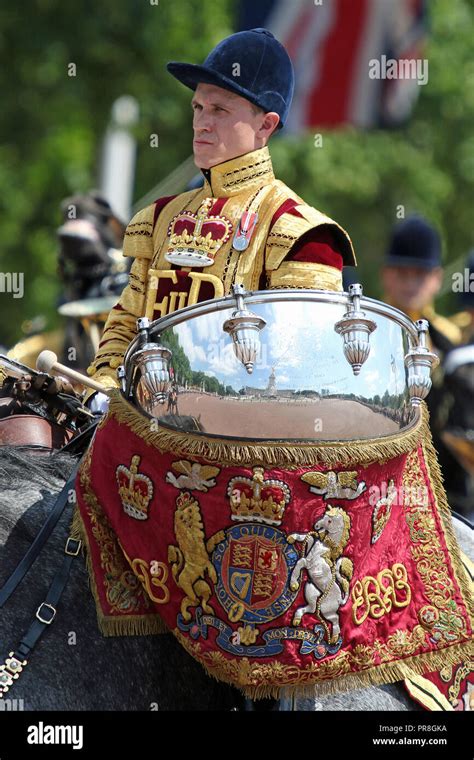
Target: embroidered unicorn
pixel 328 572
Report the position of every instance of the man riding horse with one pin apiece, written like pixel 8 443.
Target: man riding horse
pixel 243 225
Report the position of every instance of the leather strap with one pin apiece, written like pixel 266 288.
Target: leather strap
pixel 45 614
pixel 31 555
pixel 79 443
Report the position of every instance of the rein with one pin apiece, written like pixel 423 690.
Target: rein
pixel 17 659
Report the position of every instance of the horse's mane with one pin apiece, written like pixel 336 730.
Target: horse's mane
pixel 18 463
pixel 338 548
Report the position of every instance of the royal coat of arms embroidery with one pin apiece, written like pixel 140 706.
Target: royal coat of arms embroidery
pixel 270 576
pixel 256 569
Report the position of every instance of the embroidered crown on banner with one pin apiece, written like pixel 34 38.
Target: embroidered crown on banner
pixel 135 490
pixel 194 239
pixel 257 499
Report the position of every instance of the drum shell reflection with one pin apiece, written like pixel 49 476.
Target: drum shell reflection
pixel 302 387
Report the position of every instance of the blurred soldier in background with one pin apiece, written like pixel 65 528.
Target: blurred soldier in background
pixel 91 269
pixel 412 276
pixel 91 239
pixel 465 319
pixel 458 435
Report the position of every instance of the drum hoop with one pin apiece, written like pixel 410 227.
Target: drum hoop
pixel 278 295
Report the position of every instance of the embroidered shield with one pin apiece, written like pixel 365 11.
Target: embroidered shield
pixel 253 564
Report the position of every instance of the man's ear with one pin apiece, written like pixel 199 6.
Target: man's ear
pixel 269 124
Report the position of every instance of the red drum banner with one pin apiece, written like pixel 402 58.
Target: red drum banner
pixel 276 565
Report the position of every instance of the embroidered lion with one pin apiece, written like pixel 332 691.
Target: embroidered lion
pixel 190 559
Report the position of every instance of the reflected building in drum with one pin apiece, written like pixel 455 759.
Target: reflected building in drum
pixel 271 391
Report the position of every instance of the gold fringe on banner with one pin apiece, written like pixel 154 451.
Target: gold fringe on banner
pixel 468 566
pixel 436 481
pixel 285 454
pixel 292 680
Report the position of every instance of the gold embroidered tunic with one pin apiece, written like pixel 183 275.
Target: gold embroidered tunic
pixel 207 219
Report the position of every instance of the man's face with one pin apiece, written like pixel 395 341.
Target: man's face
pixel 226 126
pixel 411 288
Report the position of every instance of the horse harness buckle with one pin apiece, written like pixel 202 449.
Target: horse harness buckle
pixel 41 611
pixel 73 546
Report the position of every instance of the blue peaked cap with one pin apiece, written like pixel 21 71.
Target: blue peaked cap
pixel 414 243
pixel 264 76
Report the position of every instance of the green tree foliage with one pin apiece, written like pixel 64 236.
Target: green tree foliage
pixel 184 373
pixel 52 125
pixel 363 178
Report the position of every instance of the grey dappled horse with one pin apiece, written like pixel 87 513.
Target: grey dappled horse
pixel 95 672
pixel 110 673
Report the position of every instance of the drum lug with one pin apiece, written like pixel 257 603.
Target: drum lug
pixel 244 327
pixel 122 377
pixel 143 327
pixel 420 362
pixel 355 329
pixel 153 362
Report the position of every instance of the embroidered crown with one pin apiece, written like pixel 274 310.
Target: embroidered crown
pixel 135 490
pixel 257 499
pixel 194 239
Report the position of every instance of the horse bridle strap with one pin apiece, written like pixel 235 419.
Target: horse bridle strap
pixel 31 555
pixel 13 665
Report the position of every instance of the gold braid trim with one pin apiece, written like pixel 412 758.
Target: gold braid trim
pixel 414 680
pixel 260 169
pixel 138 240
pixel 240 174
pixel 289 228
pixel 304 274
pixel 436 481
pixel 334 673
pixel 109 625
pixel 286 454
pixel 431 697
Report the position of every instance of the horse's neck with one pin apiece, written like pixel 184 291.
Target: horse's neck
pixel 24 512
pixel 25 504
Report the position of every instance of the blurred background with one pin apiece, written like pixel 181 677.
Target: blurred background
pixel 357 149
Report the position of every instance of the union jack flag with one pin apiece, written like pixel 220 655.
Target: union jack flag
pixel 332 44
